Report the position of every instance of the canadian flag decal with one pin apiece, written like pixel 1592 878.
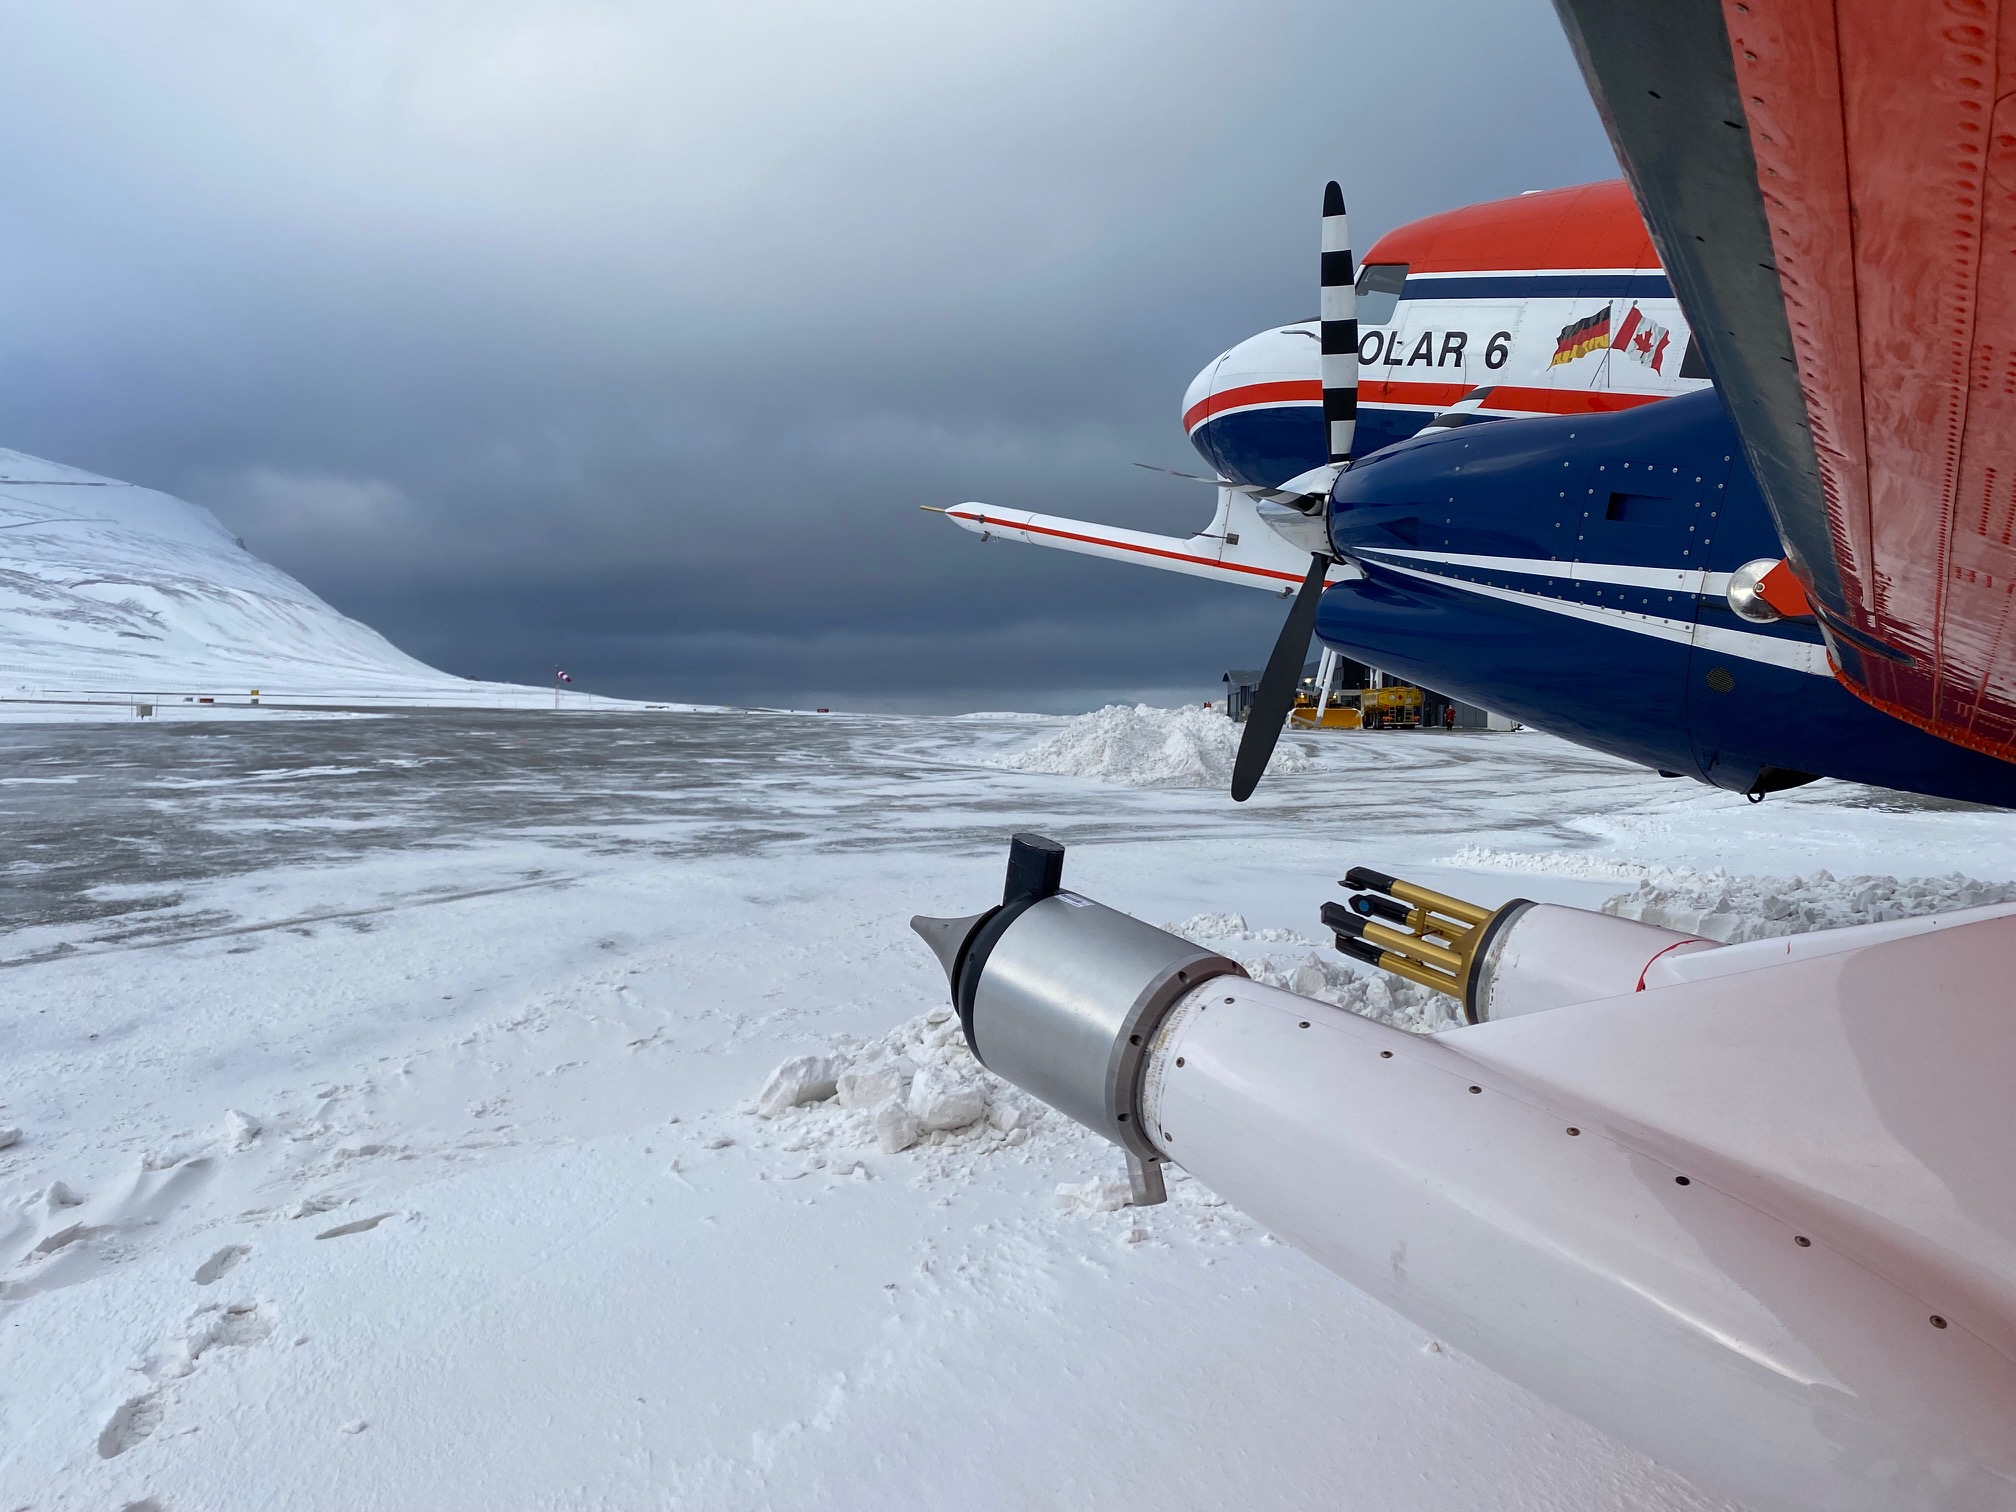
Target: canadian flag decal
pixel 1643 340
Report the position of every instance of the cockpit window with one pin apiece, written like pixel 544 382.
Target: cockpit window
pixel 1379 286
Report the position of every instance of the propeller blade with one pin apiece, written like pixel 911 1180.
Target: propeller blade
pixel 1339 328
pixel 1275 697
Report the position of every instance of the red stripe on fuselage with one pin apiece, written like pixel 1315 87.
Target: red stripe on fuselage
pixel 1535 401
pixel 1292 391
pixel 1154 551
pixel 1505 396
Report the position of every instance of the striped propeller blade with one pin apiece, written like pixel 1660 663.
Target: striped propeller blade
pixel 1340 328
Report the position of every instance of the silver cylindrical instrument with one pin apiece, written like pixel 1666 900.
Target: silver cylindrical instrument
pixel 1062 996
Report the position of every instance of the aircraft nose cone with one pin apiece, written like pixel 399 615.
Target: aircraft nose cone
pixel 947 937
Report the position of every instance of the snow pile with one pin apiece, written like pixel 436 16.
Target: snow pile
pixel 1553 864
pixel 917 1084
pixel 1733 909
pixel 240 1129
pixel 1213 929
pixel 1148 747
pixel 1107 1195
pixel 808 1078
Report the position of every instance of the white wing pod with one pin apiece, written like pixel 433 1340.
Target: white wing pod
pixel 1759 1222
pixel 1541 955
pixel 1755 1225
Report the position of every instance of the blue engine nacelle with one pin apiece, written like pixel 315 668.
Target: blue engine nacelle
pixel 1549 569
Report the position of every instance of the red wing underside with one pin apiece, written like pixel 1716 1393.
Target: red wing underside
pixel 1885 142
pixel 1832 184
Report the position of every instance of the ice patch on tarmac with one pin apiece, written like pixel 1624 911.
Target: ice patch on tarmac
pixel 1733 909
pixel 1140 746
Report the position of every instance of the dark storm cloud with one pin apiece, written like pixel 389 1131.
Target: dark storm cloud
pixel 630 336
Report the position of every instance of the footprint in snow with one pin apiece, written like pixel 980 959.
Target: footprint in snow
pixel 221 1263
pixel 358 1227
pixel 234 1327
pixel 134 1421
pixel 66 1236
pixel 237 1326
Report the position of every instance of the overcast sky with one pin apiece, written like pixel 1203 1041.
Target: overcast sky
pixel 629 337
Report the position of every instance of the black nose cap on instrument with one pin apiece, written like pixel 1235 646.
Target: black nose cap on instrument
pixel 947 938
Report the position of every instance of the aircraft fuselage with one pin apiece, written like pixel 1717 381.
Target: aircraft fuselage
pixel 1573 573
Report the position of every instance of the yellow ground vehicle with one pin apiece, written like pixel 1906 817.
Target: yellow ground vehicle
pixel 1390 708
pixel 1339 715
pixel 1372 709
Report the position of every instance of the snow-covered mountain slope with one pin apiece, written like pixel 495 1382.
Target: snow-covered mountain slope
pixel 110 588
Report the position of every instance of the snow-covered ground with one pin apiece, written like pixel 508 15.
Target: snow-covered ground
pixel 388 1135
pixel 114 594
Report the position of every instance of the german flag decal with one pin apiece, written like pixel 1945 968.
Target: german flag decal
pixel 1581 337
